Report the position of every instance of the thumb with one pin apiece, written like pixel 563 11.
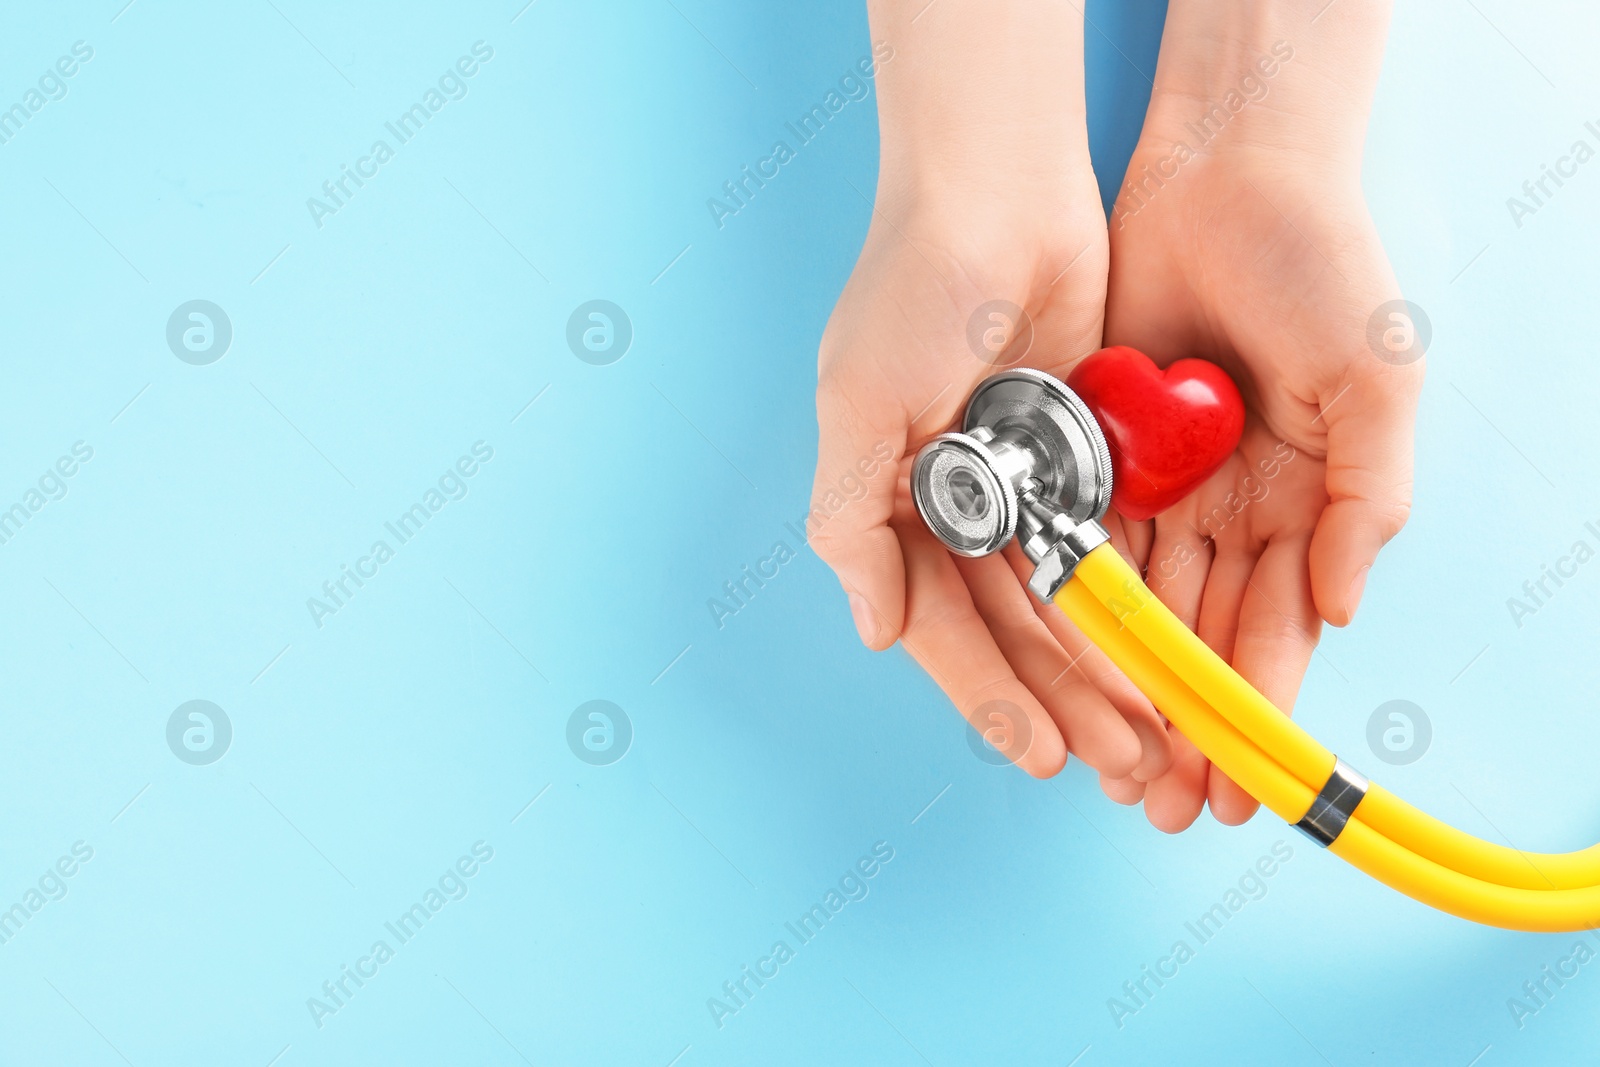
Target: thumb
pixel 1370 427
pixel 859 448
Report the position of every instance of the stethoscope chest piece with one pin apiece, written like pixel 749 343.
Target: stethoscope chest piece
pixel 958 487
pixel 1028 441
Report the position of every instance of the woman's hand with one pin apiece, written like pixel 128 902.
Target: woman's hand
pixel 1241 236
pixel 987 248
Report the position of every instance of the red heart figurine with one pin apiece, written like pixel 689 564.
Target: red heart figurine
pixel 1169 430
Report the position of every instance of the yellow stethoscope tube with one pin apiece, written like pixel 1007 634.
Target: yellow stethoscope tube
pixel 1279 764
pixel 1116 584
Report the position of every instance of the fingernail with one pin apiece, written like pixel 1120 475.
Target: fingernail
pixel 1358 584
pixel 866 618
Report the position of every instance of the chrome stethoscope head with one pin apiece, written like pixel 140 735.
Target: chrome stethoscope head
pixel 1030 461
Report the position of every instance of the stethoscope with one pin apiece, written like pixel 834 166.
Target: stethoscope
pixel 1031 463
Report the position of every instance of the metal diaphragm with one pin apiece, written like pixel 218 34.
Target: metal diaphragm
pixel 1037 414
pixel 958 489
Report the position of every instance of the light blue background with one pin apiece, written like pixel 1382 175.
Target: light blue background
pixel 770 754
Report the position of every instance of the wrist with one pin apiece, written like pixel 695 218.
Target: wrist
pixel 981 105
pixel 1207 33
pixel 1044 206
pixel 1288 84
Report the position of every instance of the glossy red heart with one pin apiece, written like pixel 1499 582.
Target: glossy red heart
pixel 1169 430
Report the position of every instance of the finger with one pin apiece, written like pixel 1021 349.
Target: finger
pixel 1173 801
pixel 1278 631
pixel 1370 430
pixel 1092 728
pixel 1130 538
pixel 1226 583
pixel 1124 791
pixel 1091 664
pixel 1135 709
pixel 1069 321
pixel 1180 559
pixel 1278 623
pixel 944 633
pixel 852 498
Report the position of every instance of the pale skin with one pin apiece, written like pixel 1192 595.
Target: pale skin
pixel 1257 253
